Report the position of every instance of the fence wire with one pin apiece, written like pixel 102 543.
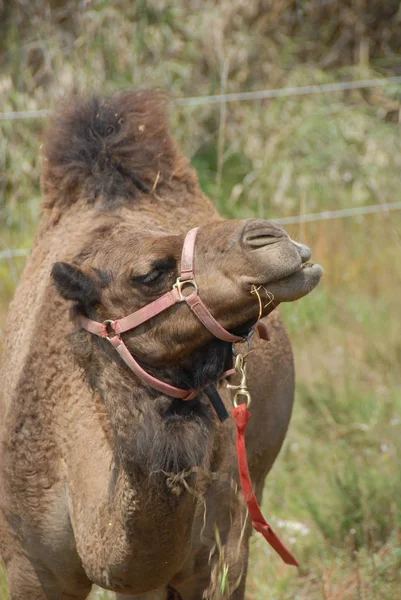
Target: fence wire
pixel 340 213
pixel 289 91
pixel 248 96
pixel 240 96
pixel 296 219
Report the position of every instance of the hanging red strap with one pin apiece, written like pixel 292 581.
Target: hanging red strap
pixel 242 415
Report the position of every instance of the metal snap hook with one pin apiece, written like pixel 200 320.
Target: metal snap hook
pixel 241 387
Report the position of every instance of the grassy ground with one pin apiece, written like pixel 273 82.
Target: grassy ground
pixel 335 491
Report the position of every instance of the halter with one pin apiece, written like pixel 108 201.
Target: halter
pixel 112 330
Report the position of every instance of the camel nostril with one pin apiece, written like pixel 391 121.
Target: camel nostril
pixel 258 233
pixel 303 250
pixel 305 253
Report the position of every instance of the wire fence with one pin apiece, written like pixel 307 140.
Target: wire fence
pixel 340 213
pixel 296 219
pixel 25 114
pixel 289 91
pixel 323 88
pixel 14 253
pixel 248 96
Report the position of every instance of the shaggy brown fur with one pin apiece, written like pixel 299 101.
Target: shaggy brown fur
pixel 111 149
pixel 102 479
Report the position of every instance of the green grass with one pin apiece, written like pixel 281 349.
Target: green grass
pixel 335 491
pixel 338 473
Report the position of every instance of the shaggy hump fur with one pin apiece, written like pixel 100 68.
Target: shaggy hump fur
pixel 112 148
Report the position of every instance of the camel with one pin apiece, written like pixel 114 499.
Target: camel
pixel 105 479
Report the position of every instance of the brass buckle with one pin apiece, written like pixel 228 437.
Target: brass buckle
pixel 180 284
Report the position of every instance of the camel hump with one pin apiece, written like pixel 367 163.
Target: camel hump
pixel 114 148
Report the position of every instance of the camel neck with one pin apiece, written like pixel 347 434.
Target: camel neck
pixel 155 435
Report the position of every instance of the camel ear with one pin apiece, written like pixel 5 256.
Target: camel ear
pixel 73 283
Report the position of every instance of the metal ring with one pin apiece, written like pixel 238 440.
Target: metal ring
pixel 242 393
pixel 106 323
pixel 180 284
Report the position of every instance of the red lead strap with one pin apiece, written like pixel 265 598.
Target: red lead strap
pixel 241 416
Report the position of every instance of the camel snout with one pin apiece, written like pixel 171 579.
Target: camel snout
pixel 304 252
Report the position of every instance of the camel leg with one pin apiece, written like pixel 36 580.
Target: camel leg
pixel 26 584
pixel 23 581
pixel 31 580
pixel 205 582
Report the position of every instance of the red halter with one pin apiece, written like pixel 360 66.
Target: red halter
pixel 241 413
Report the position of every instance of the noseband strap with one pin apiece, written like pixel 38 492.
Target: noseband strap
pixel 188 255
pixel 112 330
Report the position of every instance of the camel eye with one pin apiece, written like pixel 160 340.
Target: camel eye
pixel 151 277
pixel 161 268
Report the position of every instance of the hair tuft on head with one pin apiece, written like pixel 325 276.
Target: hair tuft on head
pixel 111 148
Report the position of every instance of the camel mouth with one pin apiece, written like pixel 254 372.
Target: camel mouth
pixel 306 276
pixel 296 284
pixel 307 265
pixel 306 269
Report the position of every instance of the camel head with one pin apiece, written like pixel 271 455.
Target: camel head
pixel 126 267
pixel 116 161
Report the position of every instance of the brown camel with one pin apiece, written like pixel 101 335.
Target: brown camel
pixel 104 479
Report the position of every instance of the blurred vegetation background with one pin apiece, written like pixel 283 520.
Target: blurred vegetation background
pixel 335 491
